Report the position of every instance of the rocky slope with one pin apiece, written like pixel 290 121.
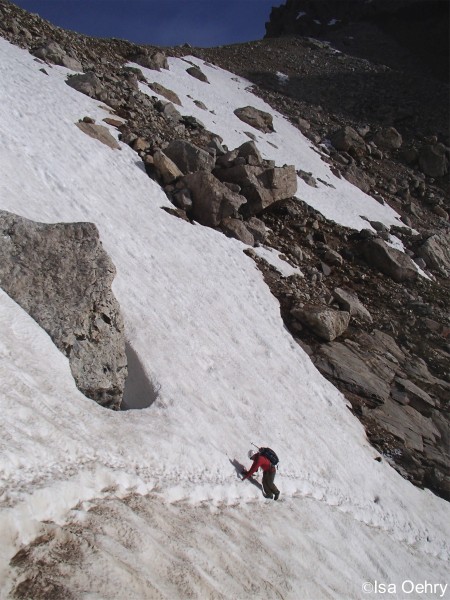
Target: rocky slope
pixel 372 326
pixel 405 34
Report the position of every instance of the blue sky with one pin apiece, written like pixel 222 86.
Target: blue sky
pixel 160 22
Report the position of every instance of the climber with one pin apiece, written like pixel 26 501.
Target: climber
pixel 261 460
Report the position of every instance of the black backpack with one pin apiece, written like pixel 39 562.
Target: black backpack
pixel 270 454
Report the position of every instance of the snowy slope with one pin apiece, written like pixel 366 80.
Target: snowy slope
pixel 210 339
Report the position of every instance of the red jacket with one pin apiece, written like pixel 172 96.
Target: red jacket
pixel 259 461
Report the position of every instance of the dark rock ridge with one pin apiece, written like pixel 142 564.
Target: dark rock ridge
pixel 62 277
pixel 379 338
pixel 376 119
pixel 418 29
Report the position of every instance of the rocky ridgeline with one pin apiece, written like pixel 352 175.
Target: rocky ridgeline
pixel 372 326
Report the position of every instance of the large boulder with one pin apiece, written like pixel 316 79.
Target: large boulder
pixel 212 201
pixel 86 83
pixel 261 186
pixel 388 138
pixel 166 168
pixel 433 161
pixel 188 157
pixel 163 91
pixel 100 133
pixel 350 302
pixel 151 59
pixel 52 52
pixel 347 139
pixel 62 277
pixel 258 229
pixel 197 73
pixel 250 152
pixel 436 253
pixel 326 323
pixel 390 261
pixel 256 118
pixel 235 228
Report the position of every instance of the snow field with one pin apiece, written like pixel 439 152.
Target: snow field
pixel 209 336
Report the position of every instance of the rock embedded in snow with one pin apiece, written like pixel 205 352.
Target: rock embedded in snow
pixel 258 119
pixel 326 323
pixel 62 277
pixel 197 73
pixel 163 91
pixel 98 132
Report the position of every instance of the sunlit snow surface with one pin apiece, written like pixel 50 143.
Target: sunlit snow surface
pixel 209 336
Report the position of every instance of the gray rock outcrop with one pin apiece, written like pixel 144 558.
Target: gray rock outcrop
pixel 62 277
pixel 388 138
pixel 212 201
pixel 347 139
pixel 155 59
pixel 390 261
pixel 361 371
pixel 261 185
pixel 350 302
pixel 52 52
pixel 188 157
pixel 235 228
pixel 436 252
pixel 86 83
pixel 167 169
pixel 432 160
pixel 326 323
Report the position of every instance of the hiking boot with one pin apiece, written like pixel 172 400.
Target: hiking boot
pixel 268 496
pixel 277 495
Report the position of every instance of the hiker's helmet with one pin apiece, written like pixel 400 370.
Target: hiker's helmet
pixel 251 454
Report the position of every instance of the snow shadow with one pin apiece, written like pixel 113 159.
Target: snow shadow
pixel 139 390
pixel 239 468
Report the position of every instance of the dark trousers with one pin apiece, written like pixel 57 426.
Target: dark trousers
pixel 269 486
